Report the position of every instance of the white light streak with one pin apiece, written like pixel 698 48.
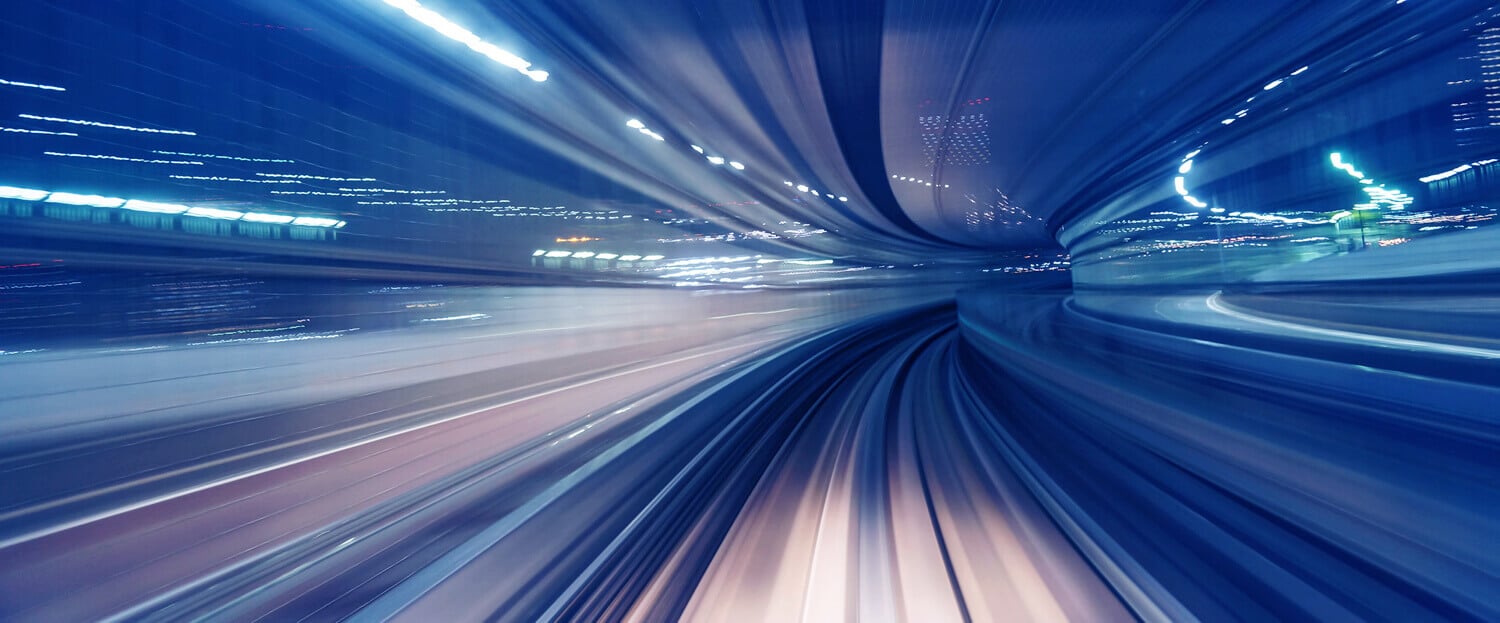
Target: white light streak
pixel 31 85
pixel 1338 163
pixel 1215 303
pixel 219 157
pixel 320 193
pixel 393 191
pixel 216 178
pixel 447 28
pixel 1454 171
pixel 121 158
pixel 26 131
pixel 112 126
pixel 296 176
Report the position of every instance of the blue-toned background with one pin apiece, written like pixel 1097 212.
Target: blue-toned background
pixel 884 310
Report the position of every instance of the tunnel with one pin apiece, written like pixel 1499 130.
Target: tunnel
pixel 779 310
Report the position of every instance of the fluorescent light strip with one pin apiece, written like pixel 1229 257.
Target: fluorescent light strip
pixel 24 194
pixel 96 201
pixel 152 206
pixel 112 126
pixel 315 221
pixel 216 213
pixel 140 205
pixel 275 219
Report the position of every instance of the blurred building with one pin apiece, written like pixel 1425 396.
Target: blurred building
pixel 961 139
pixel 1475 108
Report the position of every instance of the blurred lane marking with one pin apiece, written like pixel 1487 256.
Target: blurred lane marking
pixel 396 600
pixel 1214 303
pixel 764 313
pixel 102 515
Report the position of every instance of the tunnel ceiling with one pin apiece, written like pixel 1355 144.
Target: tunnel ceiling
pixel 903 128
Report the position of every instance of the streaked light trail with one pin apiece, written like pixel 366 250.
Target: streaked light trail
pixel 30 85
pixel 434 20
pixel 112 126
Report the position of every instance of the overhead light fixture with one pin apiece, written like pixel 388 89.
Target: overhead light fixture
pixel 96 201
pixel 273 219
pixel 151 206
pixel 226 215
pixel 24 194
